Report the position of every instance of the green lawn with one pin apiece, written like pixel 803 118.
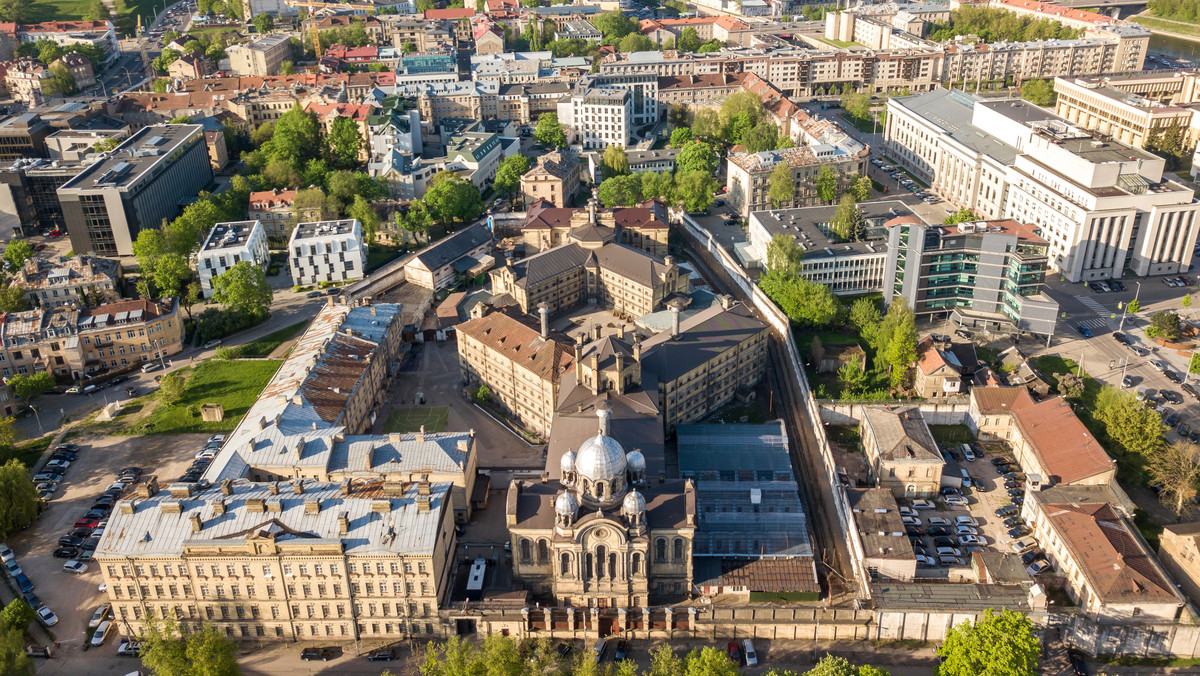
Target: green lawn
pixel 950 434
pixel 233 384
pixel 265 345
pixel 1051 364
pixel 403 420
pixel 27 452
pixel 838 43
pixel 865 126
pixel 1167 26
pixel 378 255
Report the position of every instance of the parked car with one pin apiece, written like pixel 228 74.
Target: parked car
pixel 970 540
pixel 910 521
pixel 965 521
pixel 1077 662
pixel 925 561
pixel 14 568
pixel 949 551
pixel 1012 522
pixel 1121 338
pixel 735 652
pixel 1018 531
pixel 1037 567
pixel 23 582
pixel 6 553
pixel 313 294
pixel 75 567
pixel 957 500
pixel 944 542
pixel 965 530
pixel 963 333
pixel 128 648
pixel 939 530
pixel 47 616
pixel 101 634
pixel 321 654
pixel 102 613
pixel 216 342
pixel 622 651
pixel 923 504
pixel 938 521
pixel 382 655
pixel 1020 546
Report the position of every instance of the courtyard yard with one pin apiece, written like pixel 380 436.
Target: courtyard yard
pixel 405 420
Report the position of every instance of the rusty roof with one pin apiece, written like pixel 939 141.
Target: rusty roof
pixel 522 344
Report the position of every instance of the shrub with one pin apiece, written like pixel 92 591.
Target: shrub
pixel 216 323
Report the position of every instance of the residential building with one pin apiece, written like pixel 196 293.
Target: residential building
pixel 554 179
pixel 1104 208
pixel 444 262
pixel 25 81
pixel 901 452
pixel 218 154
pixel 943 368
pixel 847 268
pixel 639 160
pixel 359 113
pixel 1132 119
pixel 1048 441
pixel 60 281
pixel 488 38
pixel 985 274
pixel 74 145
pixel 274 209
pixel 1178 550
pixel 520 365
pixel 139 185
pixel 327 251
pixel 80 68
pixel 98 34
pixel 314 561
pixel 191 67
pixel 424 36
pixel 749 173
pixel 706 360
pixel 261 57
pixel 227 245
pixel 1106 567
pixel 23 136
pixel 29 201
pixel 598 117
pixel 887 550
pixel 642 227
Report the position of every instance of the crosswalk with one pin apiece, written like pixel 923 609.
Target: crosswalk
pixel 1095 323
pixel 1104 320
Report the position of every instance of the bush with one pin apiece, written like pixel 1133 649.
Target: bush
pixel 216 323
pixel 226 353
pixel 273 270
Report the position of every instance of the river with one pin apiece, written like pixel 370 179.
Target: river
pixel 1176 47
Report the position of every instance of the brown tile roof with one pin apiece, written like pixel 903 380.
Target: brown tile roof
pixel 770 575
pixel 335 375
pixel 542 217
pixel 639 217
pixel 450 13
pixel 522 344
pixel 269 199
pixel 701 81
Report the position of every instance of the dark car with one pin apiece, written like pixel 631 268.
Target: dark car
pixel 1115 285
pixel 622 651
pixel 950 490
pixel 333 292
pixel 939 530
pixel 912 531
pixel 1003 469
pixel 322 654
pixel 1194 437
pixel 1120 337
pixel 1184 429
pixel 564 649
pixel 131 470
pixel 1007 511
pixel 1173 377
pixel 1031 556
pixel 945 542
pixel 97 513
pixel 313 294
pixel 1018 532
pixel 734 652
pixel 23 582
pixel 66 455
pixel 1012 522
pixel 385 655
pixel 90 544
pixel 70 541
pixel 1084 331
pixel 67 447
pixel 1172 419
pixel 999 461
pixel 1077 663
pixel 81 532
pixel 33 600
pixel 963 333
pixel 66 552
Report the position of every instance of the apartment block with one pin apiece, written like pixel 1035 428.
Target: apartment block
pixel 60 281
pixel 137 186
pixel 227 245
pixel 98 34
pixel 598 117
pixel 261 57
pixel 275 210
pixel 1179 551
pixel 749 173
pixel 23 137
pixel 29 201
pixel 985 274
pixel 327 251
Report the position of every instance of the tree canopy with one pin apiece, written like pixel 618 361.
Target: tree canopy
pixel 998 644
pixel 18 497
pixel 17 253
pixel 550 132
pixel 697 156
pixel 1038 92
pixel 806 303
pixel 206 652
pixel 244 289
pixel 453 199
pixel 1134 428
pixel 509 173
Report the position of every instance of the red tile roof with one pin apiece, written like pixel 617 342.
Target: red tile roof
pixel 450 13
pixel 270 199
pixel 522 344
pixel 1052 10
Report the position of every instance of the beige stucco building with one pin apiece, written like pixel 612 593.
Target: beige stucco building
pixel 642 227
pixel 555 179
pixel 750 173
pixel 79 280
pixel 1179 552
pixel 1128 116
pixel 261 57
pixel 901 451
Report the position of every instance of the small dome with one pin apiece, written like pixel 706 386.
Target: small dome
pixel 566 504
pixel 567 462
pixel 634 503
pixel 601 458
pixel 636 461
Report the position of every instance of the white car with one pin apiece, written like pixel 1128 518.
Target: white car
pixel 103 588
pixel 206 454
pixel 47 616
pixel 13 567
pixel 76 567
pixel 968 540
pixel 949 551
pixel 923 504
pixel 966 530
pixel 216 438
pixel 59 462
pixel 100 615
pixel 1024 543
pixel 955 500
pixel 118 486
pixel 907 511
pixel 6 554
pixel 965 521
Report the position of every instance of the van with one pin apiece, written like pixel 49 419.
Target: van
pixel 151 366
pixel 966 478
pixel 748 651
pixel 89 389
pixel 968 452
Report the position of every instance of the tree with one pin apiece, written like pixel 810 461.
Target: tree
pixel 620 191
pixel 865 316
pixel 697 156
pixel 762 136
pixel 12 10
pixel 30 387
pixel 636 42
pixel 694 190
pixel 713 45
pixel 1134 428
pixel 678 115
pixel 453 199
pixel 784 254
pixel 840 666
pixel 614 162
pixel 680 137
pixel 344 143
pixel 18 497
pixel 13 299
pixel 205 652
pixel 689 40
pixel 860 187
pixel 181 119
pixel 243 288
pixel 166 58
pixel 1186 301
pixel 17 253
pixel 613 26
pixel 106 145
pixel 781 187
pixel 896 340
pixel 509 173
pixel 999 644
pixel 707 126
pixel 848 222
pixel 1038 92
pixel 1166 325
pixel 1070 385
pixel 264 23
pixel 658 185
pixel 287 68
pixel 960 216
pixel 1134 306
pixel 362 211
pixel 483 394
pixel 16 615
pixel 852 377
pixel 295 139
pixel 171 388
pixel 549 132
pixel 13 660
pixel 1176 468
pixel 806 303
pixel 418 220
pixel 61 81
pixel 826 184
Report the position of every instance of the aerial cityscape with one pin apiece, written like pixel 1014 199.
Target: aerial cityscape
pixel 599 337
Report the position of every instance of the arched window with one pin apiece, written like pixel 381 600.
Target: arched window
pixel 564 566
pixel 612 566
pixel 678 550
pixel 599 490
pixel 526 551
pixel 660 550
pixel 543 552
pixel 600 558
pixel 636 565
pixel 587 565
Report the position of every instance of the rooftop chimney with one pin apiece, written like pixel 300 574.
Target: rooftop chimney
pixel 603 413
pixel 596 331
pixel 197 523
pixel 592 211
pixel 674 321
pixel 343 523
pixel 544 311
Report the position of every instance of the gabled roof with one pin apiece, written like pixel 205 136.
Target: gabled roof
pixel 901 434
pixel 520 342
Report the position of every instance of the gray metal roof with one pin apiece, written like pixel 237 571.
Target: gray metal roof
pixel 952 110
pixel 761 451
pixel 704 336
pixel 453 247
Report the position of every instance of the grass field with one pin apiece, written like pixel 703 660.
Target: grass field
pixel 27 452
pixel 403 420
pixel 265 345
pixel 1167 26
pixel 233 384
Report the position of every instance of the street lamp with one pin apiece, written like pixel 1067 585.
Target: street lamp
pixel 1126 308
pixel 38 418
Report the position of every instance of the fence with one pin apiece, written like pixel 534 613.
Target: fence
pixel 731 272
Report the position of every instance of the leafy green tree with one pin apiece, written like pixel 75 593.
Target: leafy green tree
pixel 164 59
pixel 13 10
pixel 960 216
pixel 865 316
pixel 483 394
pixel 453 199
pixel 739 112
pixel 1186 301
pixel 658 185
pixel 244 289
pixel 509 173
pixel 106 145
pixel 1038 92
pixel 848 222
pixel 762 136
pixel 171 388
pixel 17 253
pixel 296 138
pixel 840 666
pixel 678 115
pixel 16 615
pixel 826 184
pixel 896 340
pixel 418 220
pixel 48 51
pixel 998 644
pixel 362 211
pixel 1070 386
pixel 614 25
pixel 614 162
pixel 860 187
pixel 18 497
pixel 13 299
pixel 780 186
pixel 680 137
pixel 1134 306
pixel 287 68
pixel 636 42
pixel 689 40
pixel 549 132
pixel 182 119
pixel 1176 469
pixel 1166 325
pixel 697 156
pixel 806 303
pixel 344 143
pixel 13 660
pixel 713 45
pixel 264 23
pixel 28 387
pixel 61 81
pixel 166 652
pixel 707 126
pixel 694 190
pixel 1134 428
pixel 620 191
pixel 784 254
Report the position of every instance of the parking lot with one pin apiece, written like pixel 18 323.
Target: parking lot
pixel 73 598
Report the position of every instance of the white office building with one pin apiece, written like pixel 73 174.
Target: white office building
pixel 227 245
pixel 327 251
pixel 1104 207
pixel 599 117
